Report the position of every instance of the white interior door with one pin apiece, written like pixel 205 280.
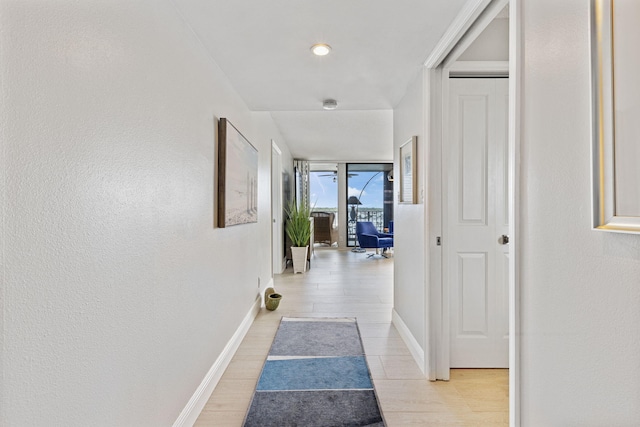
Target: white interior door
pixel 477 217
pixel 277 233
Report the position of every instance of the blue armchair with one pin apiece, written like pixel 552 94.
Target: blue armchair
pixel 370 238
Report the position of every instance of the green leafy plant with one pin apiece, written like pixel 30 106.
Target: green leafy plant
pixel 298 225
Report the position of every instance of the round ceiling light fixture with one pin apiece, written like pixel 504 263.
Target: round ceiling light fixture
pixel 320 49
pixel 329 104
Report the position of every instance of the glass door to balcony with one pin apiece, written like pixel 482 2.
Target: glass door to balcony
pixel 323 198
pixel 369 196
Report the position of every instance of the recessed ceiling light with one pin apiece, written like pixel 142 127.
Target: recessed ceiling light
pixel 329 104
pixel 320 49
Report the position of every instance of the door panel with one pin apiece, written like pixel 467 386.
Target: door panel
pixel 477 202
pixel 473 295
pixel 472 128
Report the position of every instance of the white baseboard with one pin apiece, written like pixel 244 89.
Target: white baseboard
pixel 190 413
pixel 416 351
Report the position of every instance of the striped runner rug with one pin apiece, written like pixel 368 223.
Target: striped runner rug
pixel 315 375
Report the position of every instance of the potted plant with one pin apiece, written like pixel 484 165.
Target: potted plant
pixel 298 229
pixel 271 299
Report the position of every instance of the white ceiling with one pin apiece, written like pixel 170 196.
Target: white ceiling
pixel 358 135
pixel 378 49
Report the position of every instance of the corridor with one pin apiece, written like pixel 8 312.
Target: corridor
pixel 347 284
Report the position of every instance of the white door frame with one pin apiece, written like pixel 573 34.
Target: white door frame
pixel 469 24
pixel 277 261
pixel 471 69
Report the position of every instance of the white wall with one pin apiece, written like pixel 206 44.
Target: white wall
pixel 580 288
pixel 409 220
pixel 118 293
pixel 491 45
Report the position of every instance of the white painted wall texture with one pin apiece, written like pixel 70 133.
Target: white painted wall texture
pixel 580 288
pixel 118 293
pixel 491 45
pixel 409 220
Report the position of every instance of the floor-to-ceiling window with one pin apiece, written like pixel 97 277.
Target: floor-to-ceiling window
pixel 369 196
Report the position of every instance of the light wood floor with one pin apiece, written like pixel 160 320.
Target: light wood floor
pixel 347 284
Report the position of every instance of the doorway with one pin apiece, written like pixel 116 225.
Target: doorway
pixel 277 220
pixel 323 200
pixel 476 211
pixel 466 195
pixel 438 68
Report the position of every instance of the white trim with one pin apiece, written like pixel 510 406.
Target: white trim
pixel 479 69
pixel 275 147
pixel 456 30
pixel 416 351
pixel 192 410
pixel 433 217
pixel 477 27
pixel 516 61
pixel 443 344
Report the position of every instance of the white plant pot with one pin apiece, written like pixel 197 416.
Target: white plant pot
pixel 299 255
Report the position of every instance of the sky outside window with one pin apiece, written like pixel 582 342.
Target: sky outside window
pixel 373 193
pixel 324 190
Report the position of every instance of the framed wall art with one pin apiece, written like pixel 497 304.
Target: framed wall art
pixel 615 115
pixel 408 174
pixel 237 177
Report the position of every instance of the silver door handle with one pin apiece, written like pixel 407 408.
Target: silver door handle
pixel 503 240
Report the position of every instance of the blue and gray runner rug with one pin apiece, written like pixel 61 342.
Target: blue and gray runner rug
pixel 316 375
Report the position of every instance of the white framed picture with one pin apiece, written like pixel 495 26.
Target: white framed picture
pixel 237 177
pixel 615 115
pixel 408 172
